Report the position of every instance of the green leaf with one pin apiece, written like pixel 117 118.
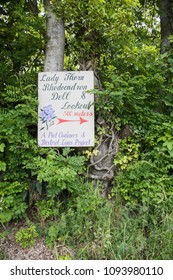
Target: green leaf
pixel 2 166
pixel 2 146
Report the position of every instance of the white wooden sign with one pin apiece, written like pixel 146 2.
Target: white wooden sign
pixel 66 109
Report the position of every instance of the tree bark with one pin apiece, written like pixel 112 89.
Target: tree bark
pixel 54 57
pixel 166 23
pixel 33 7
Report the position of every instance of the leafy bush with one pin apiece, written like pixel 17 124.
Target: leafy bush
pixel 47 208
pixel 17 116
pixel 26 237
pixel 147 179
pixel 12 204
pixel 95 228
pixel 60 171
pixel 82 222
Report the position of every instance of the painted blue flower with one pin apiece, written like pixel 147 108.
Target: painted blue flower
pixel 47 114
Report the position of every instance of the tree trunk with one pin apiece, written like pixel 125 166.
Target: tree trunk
pixel 33 7
pixel 54 57
pixel 166 23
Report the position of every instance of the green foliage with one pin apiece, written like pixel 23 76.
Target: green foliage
pixel 26 237
pixel 100 30
pixel 94 228
pixel 140 98
pixel 161 238
pixel 22 48
pixel 17 117
pixel 12 204
pixel 81 220
pixel 132 94
pixel 2 164
pixel 60 171
pixel 149 179
pixel 121 38
pixel 129 152
pixel 47 209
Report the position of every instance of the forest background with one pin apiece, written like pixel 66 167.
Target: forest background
pixel 62 194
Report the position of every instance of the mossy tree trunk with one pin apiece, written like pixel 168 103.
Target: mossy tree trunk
pixel 166 23
pixel 54 56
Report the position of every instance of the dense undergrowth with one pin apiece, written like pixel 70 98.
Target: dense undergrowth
pixel 135 221
pixel 95 228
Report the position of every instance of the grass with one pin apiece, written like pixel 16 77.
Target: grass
pixel 96 228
